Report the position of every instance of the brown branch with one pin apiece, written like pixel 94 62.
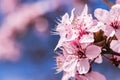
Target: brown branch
pixel 110 52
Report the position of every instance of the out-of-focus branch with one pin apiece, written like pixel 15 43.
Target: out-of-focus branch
pixel 108 3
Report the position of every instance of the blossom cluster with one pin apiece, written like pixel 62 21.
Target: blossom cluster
pixel 85 40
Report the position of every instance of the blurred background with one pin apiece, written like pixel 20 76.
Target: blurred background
pixel 26 43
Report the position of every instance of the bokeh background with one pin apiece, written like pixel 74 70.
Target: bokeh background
pixel 26 43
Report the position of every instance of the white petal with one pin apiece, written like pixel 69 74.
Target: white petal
pixel 115 11
pixel 70 64
pixel 72 14
pixel 83 66
pixel 115 45
pixel 117 34
pixel 99 59
pixel 109 31
pixel 85 11
pixel 65 19
pixel 101 15
pixel 93 51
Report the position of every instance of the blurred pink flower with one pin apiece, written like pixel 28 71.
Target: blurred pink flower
pixel 18 17
pixel 41 25
pixel 111 19
pixel 9 50
pixel 117 1
pixel 8 6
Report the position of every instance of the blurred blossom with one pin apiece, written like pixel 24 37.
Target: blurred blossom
pixel 8 5
pixel 117 1
pixel 41 25
pixel 9 50
pixel 17 20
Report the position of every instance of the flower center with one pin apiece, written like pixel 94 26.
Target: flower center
pixel 82 32
pixel 115 24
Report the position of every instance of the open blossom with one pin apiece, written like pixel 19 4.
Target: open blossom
pixel 76 59
pixel 76 42
pixel 111 19
pixel 77 26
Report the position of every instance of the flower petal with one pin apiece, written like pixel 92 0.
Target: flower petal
pixel 93 51
pixel 101 15
pixel 115 11
pixel 115 45
pixel 83 66
pixel 117 34
pixel 70 64
pixel 99 59
pixel 85 11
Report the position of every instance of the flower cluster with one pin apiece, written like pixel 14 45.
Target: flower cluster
pixel 84 40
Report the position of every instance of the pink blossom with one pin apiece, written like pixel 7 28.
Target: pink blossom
pixel 111 19
pixel 75 59
pixel 76 42
pixel 77 26
pixel 74 48
pixel 71 64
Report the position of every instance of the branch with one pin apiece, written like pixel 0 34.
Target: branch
pixel 110 52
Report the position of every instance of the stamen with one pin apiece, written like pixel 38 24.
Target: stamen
pixel 115 24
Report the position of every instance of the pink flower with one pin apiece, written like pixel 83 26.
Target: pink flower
pixel 72 63
pixel 75 59
pixel 73 48
pixel 76 42
pixel 77 26
pixel 111 19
